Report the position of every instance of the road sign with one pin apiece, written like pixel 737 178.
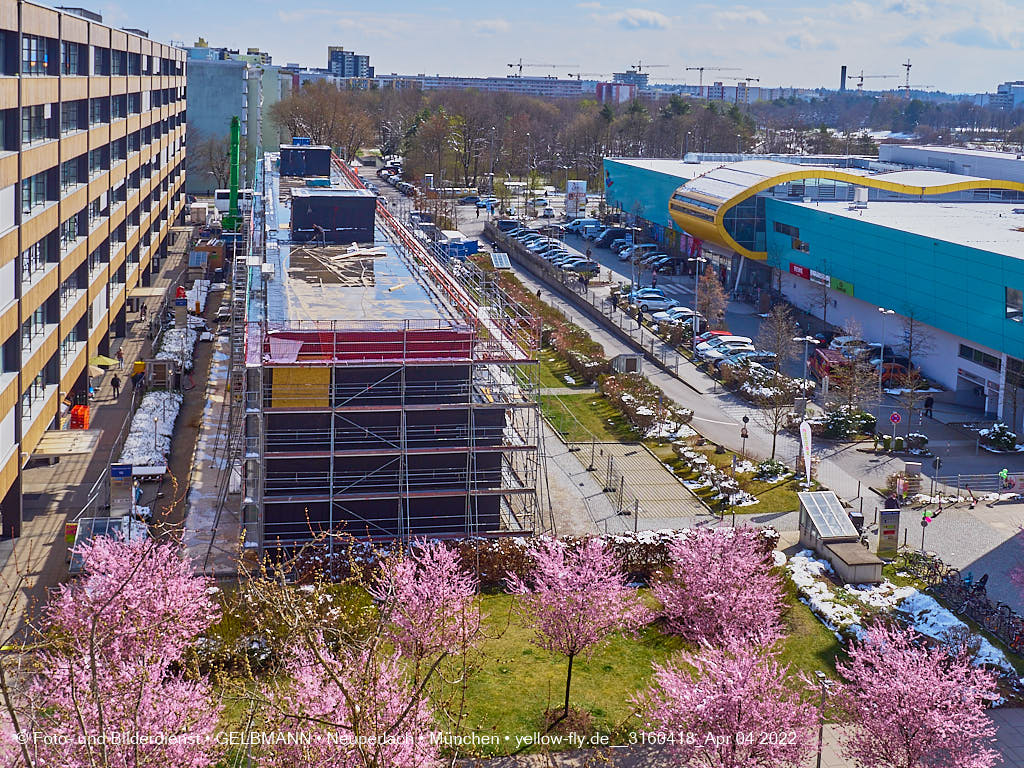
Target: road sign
pixel 894 417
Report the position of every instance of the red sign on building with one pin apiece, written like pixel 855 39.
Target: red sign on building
pixel 799 271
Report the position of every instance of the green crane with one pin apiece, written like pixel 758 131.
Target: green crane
pixel 233 219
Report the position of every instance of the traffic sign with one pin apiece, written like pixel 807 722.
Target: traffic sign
pixel 894 417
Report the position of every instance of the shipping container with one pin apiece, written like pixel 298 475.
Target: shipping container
pixel 305 161
pixel 335 215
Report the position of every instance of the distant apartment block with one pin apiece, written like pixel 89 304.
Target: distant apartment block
pixel 342 63
pixel 92 121
pixel 549 87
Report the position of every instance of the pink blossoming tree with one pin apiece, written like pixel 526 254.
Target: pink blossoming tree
pixel 913 705
pixel 575 599
pixel 722 588
pixel 106 691
pixel 729 708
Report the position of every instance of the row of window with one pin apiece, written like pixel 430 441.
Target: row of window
pixel 979 357
pixel 44 56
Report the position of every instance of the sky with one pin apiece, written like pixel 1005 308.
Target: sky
pixel 954 45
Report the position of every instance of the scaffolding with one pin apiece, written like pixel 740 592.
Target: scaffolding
pixel 390 428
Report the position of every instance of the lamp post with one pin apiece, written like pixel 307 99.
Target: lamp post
pixel 696 284
pixel 825 684
pixel 881 366
pixel 806 340
pixel 155 422
pixel 744 434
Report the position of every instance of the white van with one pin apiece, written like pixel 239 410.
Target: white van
pixel 222 199
pixel 577 225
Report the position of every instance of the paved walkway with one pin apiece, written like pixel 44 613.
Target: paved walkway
pixel 36 561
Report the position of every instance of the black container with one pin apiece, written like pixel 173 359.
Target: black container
pixel 305 161
pixel 333 215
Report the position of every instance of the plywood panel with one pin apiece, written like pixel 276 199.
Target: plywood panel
pixel 73 88
pixel 39 90
pixel 38 159
pixel 300 387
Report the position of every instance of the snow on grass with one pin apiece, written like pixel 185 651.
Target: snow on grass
pixel 178 344
pixel 932 620
pixel 807 573
pixel 144 447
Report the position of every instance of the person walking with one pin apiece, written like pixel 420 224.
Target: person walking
pixel 929 403
pixel 116 384
pixel 120 358
pixel 654 279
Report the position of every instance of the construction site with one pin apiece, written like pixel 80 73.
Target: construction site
pixel 371 393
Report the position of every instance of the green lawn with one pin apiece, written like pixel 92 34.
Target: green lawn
pixel 577 417
pixel 552 370
pixel 518 682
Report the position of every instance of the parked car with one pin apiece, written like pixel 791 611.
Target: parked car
pixel 484 202
pixel 546 213
pixel 577 225
pixel 677 312
pixel 727 349
pixel 718 341
pixel 654 303
pixel 636 251
pixel 894 373
pixel 649 258
pixel 609 235
pixel 709 335
pixel 756 356
pixel 538 202
pixel 506 225
pixel 824 362
pixel 586 267
pixel 850 346
pixel 469 200
pixel 641 292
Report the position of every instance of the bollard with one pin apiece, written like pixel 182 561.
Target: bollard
pixel 636 514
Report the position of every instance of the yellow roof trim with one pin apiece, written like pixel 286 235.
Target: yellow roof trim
pixel 717 233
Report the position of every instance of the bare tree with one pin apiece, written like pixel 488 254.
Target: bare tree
pixel 773 406
pixel 776 335
pixel 208 158
pixel 913 390
pixel 916 340
pixel 711 299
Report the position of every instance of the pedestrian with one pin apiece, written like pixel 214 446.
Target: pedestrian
pixel 478 213
pixel 137 379
pixel 116 384
pixel 142 312
pixel 929 402
pixel 120 359
pixel 654 279
pixel 589 254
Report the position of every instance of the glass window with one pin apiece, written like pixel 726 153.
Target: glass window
pixel 1014 304
pixel 71 58
pixel 33 192
pixel 33 260
pixel 69 232
pixel 33 124
pixel 786 229
pixel 979 357
pixel 33 55
pixel 99 110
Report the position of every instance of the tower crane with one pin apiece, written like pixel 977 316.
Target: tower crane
pixel 709 69
pixel 746 91
pixel 581 75
pixel 639 67
pixel 862 77
pixel 518 65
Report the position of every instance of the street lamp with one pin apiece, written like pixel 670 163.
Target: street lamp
pixel 155 422
pixel 881 366
pixel 696 284
pixel 744 434
pixel 825 684
pixel 806 340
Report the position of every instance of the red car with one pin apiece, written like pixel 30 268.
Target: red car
pixel 824 361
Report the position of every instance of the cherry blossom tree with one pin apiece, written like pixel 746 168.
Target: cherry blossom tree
pixel 350 709
pixel 722 587
pixel 912 705
pixel 575 599
pixel 105 687
pixel 729 707
pixel 426 598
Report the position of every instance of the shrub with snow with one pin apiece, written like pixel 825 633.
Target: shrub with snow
pixel 1000 437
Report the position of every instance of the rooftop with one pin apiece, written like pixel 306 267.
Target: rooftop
pixel 316 283
pixel 992 153
pixel 986 226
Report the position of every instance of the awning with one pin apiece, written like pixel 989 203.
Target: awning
pixel 66 442
pixel 146 291
pixel 102 360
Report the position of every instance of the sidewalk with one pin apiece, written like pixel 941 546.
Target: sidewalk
pixel 36 561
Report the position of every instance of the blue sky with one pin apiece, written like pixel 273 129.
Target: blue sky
pixel 954 45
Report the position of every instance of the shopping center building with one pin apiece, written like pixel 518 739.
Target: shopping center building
pixel 92 121
pixel 843 237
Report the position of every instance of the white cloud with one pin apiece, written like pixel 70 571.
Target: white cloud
pixel 491 26
pixel 589 6
pixel 742 16
pixel 640 18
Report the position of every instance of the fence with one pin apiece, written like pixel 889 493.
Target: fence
pixel 966 597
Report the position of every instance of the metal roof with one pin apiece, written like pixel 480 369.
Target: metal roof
pixel 827 515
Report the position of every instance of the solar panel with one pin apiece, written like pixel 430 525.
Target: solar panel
pixel 500 261
pixel 827 514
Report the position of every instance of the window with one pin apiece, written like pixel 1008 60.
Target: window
pixel 100 61
pixel 69 232
pixel 68 343
pixel 33 55
pixel 95 211
pixel 33 123
pixel 32 328
pixel 118 63
pixel 71 116
pixel 69 174
pixel 33 260
pixel 71 58
pixel 1014 304
pixel 118 107
pixel 134 64
pixel 786 229
pixel 99 110
pixel 800 245
pixel 979 357
pixel 134 103
pixel 33 192
pixel 97 161
pixel 133 142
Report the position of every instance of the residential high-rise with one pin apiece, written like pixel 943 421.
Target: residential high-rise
pixel 342 63
pixel 92 121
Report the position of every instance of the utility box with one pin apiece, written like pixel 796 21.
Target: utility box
pixel 335 215
pixel 298 160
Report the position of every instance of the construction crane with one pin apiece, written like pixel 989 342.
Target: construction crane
pixel 639 67
pixel 907 67
pixel 862 77
pixel 519 66
pixel 581 75
pixel 709 69
pixel 233 220
pixel 746 91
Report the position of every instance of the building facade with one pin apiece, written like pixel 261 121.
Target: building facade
pixel 342 63
pixel 548 87
pixel 91 178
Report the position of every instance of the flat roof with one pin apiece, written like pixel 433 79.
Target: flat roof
pixel 670 167
pixel 990 227
pixel 853 553
pixel 305 146
pixel 993 153
pixel 312 282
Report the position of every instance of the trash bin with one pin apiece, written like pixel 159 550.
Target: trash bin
pixel 858 521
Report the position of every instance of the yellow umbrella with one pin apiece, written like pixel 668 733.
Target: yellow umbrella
pixel 102 360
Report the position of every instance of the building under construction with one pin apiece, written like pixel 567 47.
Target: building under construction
pixel 382 397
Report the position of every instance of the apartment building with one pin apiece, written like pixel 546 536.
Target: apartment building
pixel 92 122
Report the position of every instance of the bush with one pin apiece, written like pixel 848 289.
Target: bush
pixel 770 469
pixel 1000 437
pixel 916 441
pixel 846 421
pixel 644 405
